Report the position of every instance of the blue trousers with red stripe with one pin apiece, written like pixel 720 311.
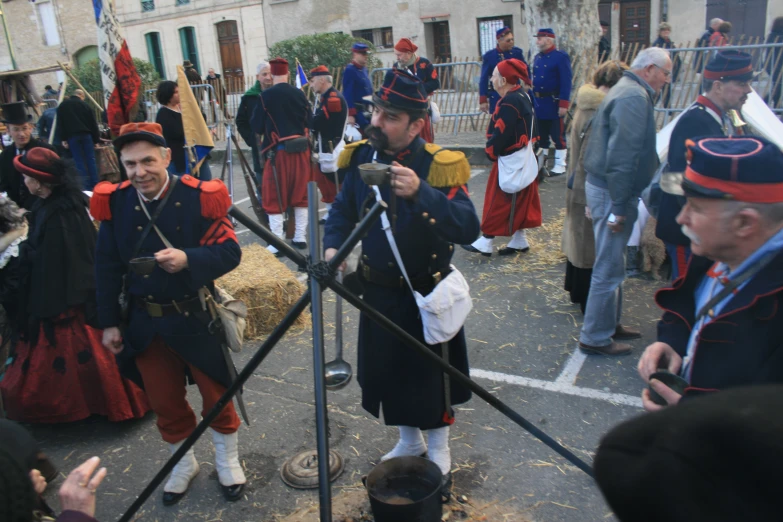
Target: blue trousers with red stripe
pixel 554 129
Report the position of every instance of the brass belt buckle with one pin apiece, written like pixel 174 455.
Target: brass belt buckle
pixel 436 277
pixel 154 309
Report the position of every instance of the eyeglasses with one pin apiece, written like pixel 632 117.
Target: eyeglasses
pixel 666 73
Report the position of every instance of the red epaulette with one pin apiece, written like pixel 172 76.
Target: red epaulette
pixel 215 200
pixel 333 103
pixel 100 202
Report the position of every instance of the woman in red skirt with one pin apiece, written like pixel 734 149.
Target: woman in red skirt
pixel 59 369
pixel 509 131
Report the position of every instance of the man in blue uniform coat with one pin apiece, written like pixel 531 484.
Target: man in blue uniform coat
pixel 434 213
pixel 722 325
pixel 552 91
pixel 357 85
pixel 167 339
pixel 726 85
pixel 505 49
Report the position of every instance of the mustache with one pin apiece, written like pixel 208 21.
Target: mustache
pixel 690 234
pixel 378 139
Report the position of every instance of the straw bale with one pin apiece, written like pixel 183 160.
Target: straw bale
pixel 268 288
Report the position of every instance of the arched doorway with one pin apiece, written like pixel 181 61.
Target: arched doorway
pixel 85 54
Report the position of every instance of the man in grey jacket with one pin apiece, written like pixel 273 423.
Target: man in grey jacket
pixel 620 161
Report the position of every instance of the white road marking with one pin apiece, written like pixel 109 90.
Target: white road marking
pixel 242 201
pixel 558 387
pixel 476 172
pixel 572 367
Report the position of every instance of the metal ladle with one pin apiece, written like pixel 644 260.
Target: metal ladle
pixel 338 372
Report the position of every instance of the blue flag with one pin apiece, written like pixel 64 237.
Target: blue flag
pixel 301 77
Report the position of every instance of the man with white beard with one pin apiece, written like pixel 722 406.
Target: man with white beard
pixel 722 326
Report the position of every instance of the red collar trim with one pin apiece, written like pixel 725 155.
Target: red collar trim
pixel 703 100
pixel 554 47
pixel 357 65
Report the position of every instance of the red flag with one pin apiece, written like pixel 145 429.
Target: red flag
pixel 121 82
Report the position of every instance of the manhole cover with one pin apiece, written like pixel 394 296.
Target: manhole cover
pixel 301 470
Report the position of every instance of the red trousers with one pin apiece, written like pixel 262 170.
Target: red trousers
pixel 163 373
pixel 294 171
pixel 497 208
pixel 326 184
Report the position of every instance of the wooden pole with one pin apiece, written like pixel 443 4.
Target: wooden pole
pixel 67 71
pixel 59 101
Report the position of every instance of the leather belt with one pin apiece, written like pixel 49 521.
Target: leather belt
pixel 157 310
pixel 545 94
pixel 426 282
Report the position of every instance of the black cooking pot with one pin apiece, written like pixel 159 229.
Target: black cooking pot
pixel 405 488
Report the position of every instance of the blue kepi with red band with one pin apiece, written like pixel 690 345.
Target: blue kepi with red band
pixel 730 65
pixel 400 92
pixel 503 31
pixel 747 168
pixel 546 31
pixel 360 48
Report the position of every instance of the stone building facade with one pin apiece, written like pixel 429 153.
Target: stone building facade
pixel 227 35
pixel 634 20
pixel 441 28
pixel 44 32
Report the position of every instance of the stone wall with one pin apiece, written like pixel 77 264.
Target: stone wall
pixel 76 29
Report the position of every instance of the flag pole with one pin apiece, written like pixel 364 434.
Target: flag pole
pixel 67 71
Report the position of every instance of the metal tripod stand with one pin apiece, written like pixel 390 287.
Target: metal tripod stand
pixel 322 274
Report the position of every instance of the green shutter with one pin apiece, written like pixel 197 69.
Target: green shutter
pixel 187 39
pixel 155 53
pixel 183 40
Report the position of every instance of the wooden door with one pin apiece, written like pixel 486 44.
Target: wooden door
pixel 747 17
pixel 635 23
pixel 230 51
pixel 442 39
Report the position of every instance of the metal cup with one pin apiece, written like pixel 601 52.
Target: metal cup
pixel 143 265
pixel 375 173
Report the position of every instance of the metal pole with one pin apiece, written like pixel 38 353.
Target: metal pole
pixel 230 164
pixel 459 376
pixel 265 348
pixel 359 232
pixel 243 376
pixel 316 303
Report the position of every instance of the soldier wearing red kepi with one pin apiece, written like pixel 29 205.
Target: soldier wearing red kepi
pixel 330 116
pixel 509 131
pixel 284 119
pixel 422 68
pixel 167 340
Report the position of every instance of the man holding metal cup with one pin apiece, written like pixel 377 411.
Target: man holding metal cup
pixel 434 213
